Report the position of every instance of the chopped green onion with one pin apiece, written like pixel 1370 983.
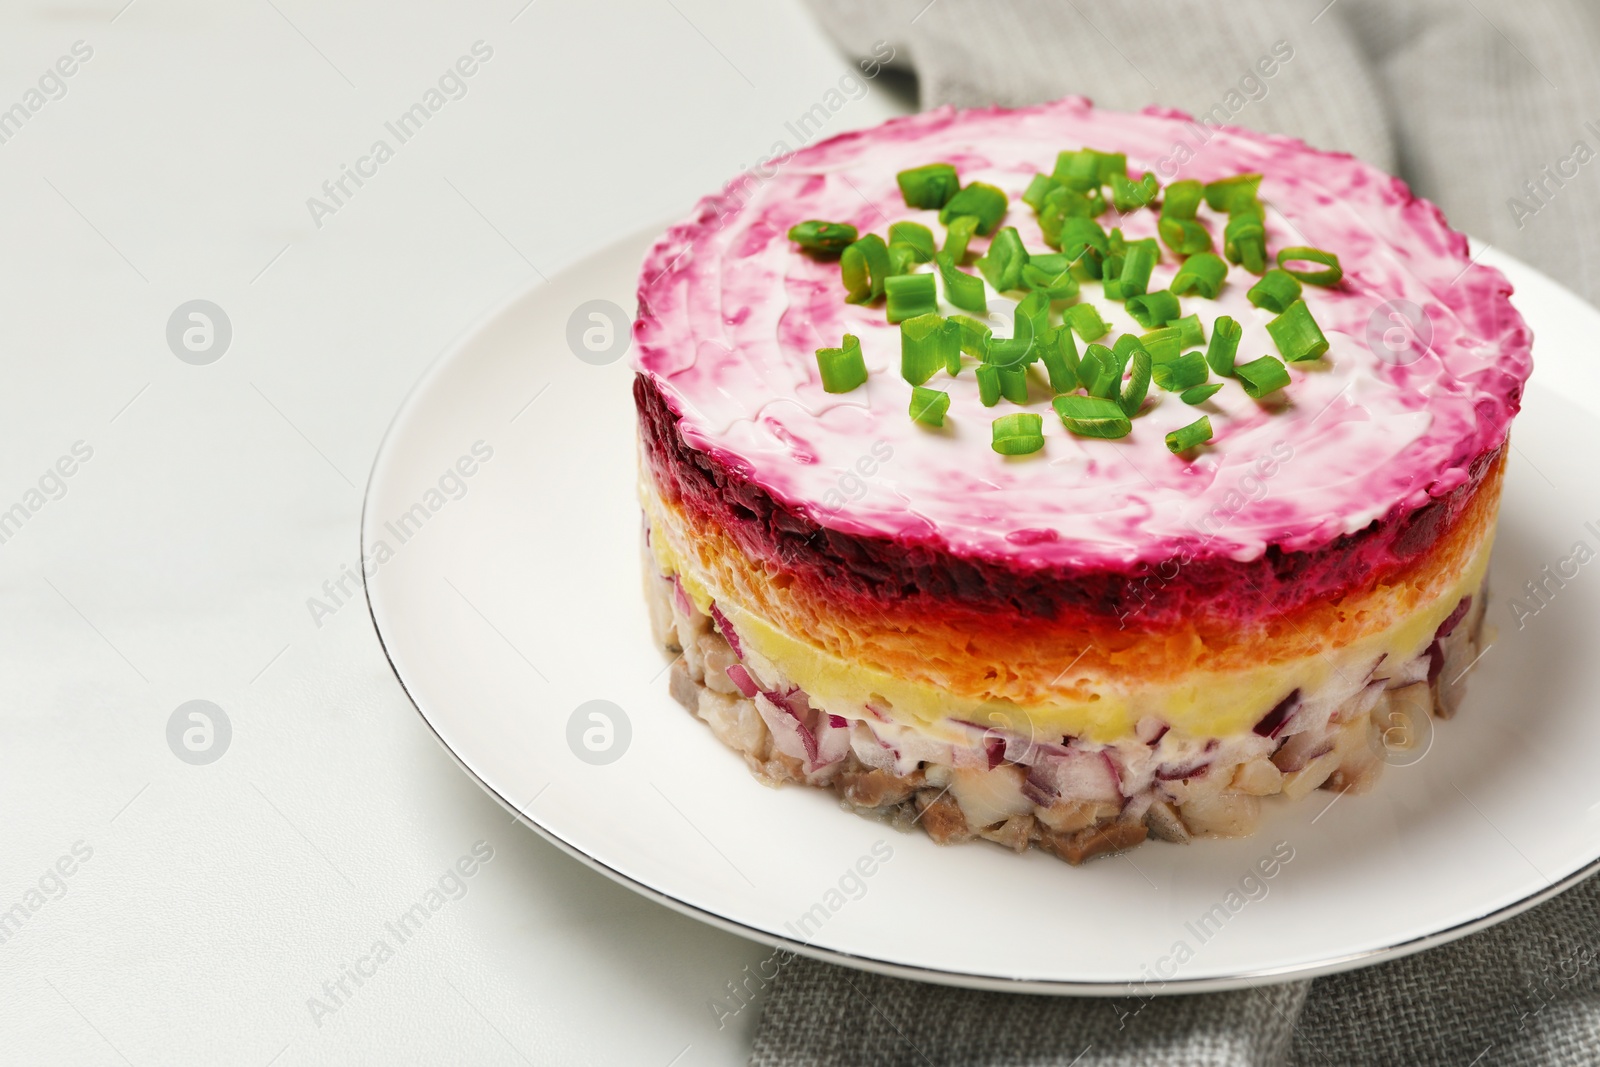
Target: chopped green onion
pixel 1182 200
pixel 1190 331
pixel 958 234
pixel 984 202
pixel 1040 187
pixel 1303 254
pixel 1014 383
pixel 1244 241
pixel 1019 434
pixel 1129 195
pixel 822 236
pixel 929 405
pixel 916 235
pixel 1016 350
pixel 1154 309
pixel 929 186
pixel 864 265
pixel 988 385
pixel 1109 164
pixel 928 343
pixel 1200 393
pixel 1035 307
pixel 1058 286
pixel 1193 435
pixel 974 336
pixel 963 290
pixel 1086 322
pixel 1084 240
pixel 1112 287
pixel 1092 416
pixel 1185 372
pixel 1276 290
pixel 1261 376
pixel 1297 334
pixel 902 257
pixel 1005 259
pixel 1137 264
pixel 910 295
pixel 1059 354
pixel 842 368
pixel 1184 236
pixel 1101 371
pixel 1222 195
pixel 1078 170
pixel 1138 387
pixel 1225 334
pixel 1164 343
pixel 1201 273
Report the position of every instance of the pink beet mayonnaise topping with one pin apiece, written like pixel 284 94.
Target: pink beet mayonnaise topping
pixel 730 315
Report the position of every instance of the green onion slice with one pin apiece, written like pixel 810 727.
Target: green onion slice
pixel 1184 236
pixel 842 368
pixel 864 265
pixel 1003 263
pixel 1261 376
pixel 1182 200
pixel 1078 170
pixel 1059 354
pixel 1276 290
pixel 822 236
pixel 1092 416
pixel 1041 186
pixel 1019 434
pixel 1137 264
pixel 983 202
pixel 1084 241
pixel 1154 309
pixel 1241 188
pixel 1058 286
pixel 910 295
pixel 1164 343
pixel 1016 350
pixel 1200 393
pixel 929 405
pixel 1244 241
pixel 928 343
pixel 1128 195
pixel 1138 387
pixel 1014 383
pixel 1086 322
pixel 902 257
pixel 1225 334
pixel 963 290
pixel 974 336
pixel 958 234
pixel 1304 254
pixel 1101 372
pixel 1185 372
pixel 916 235
pixel 1201 273
pixel 988 385
pixel 1193 435
pixel 1297 334
pixel 929 186
pixel 1190 331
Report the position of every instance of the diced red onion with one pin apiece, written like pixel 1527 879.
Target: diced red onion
pixel 740 677
pixel 1273 722
pixel 725 628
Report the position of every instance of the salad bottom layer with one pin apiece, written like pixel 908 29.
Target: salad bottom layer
pixel 1073 796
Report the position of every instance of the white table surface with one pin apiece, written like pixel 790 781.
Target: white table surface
pixel 177 564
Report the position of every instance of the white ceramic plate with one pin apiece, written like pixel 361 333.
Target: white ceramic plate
pixel 512 596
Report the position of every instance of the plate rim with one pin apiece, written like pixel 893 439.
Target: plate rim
pixel 940 976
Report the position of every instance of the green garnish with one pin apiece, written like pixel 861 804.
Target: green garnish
pixel 1041 186
pixel 1078 170
pixel 1085 320
pixel 1100 371
pixel 1224 194
pixel 1201 273
pixel 822 236
pixel 842 368
pixel 1092 416
pixel 1016 350
pixel 1154 309
pixel 1003 263
pixel 958 235
pixel 1137 262
pixel 1190 332
pixel 1138 386
pixel 929 186
pixel 1244 241
pixel 1014 383
pixel 1303 254
pixel 928 343
pixel 1261 376
pixel 1200 393
pixel 1164 343
pixel 963 290
pixel 1184 236
pixel 1276 290
pixel 974 336
pixel 929 405
pixel 988 385
pixel 1184 372
pixel 1059 354
pixel 1058 286
pixel 1182 200
pixel 1019 434
pixel 864 265
pixel 983 202
pixel 902 257
pixel 910 295
pixel 914 235
pixel 1297 334
pixel 1129 195
pixel 1225 334
pixel 1084 241
pixel 1193 435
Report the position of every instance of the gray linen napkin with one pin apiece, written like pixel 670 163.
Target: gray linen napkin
pixel 1481 105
